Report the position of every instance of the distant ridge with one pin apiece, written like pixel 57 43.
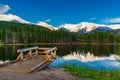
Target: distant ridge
pixel 81 28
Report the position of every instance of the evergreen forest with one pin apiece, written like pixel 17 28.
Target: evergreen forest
pixel 14 33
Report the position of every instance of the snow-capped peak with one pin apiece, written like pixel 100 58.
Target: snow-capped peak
pixel 89 26
pixel 114 26
pixel 11 17
pixel 70 27
pixel 83 25
pixel 46 25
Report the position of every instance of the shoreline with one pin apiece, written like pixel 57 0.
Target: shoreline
pixel 74 43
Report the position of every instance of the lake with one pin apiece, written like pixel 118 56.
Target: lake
pixel 94 56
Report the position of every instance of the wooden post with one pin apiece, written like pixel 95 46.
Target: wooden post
pixel 20 57
pixel 55 53
pixel 52 54
pixel 36 53
pixel 48 57
pixel 29 54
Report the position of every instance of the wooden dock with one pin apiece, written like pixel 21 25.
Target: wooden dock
pixel 35 60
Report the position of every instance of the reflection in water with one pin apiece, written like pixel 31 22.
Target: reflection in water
pixel 95 58
pixel 98 62
pixel 88 57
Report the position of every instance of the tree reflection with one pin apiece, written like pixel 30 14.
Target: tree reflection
pixel 117 51
pixel 97 50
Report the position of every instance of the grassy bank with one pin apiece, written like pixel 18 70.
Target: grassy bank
pixel 93 74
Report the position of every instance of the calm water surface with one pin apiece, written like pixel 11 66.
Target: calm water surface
pixel 95 56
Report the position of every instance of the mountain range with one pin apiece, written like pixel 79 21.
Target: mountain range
pixel 83 27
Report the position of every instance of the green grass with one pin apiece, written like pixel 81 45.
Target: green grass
pixel 93 74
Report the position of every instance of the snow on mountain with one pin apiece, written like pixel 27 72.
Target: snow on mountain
pixel 81 27
pixel 46 25
pixel 65 29
pixel 77 27
pixel 11 17
pixel 70 27
pixel 15 21
pixel 89 26
pixel 101 29
pixel 114 26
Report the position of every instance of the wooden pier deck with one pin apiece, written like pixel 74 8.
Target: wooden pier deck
pixel 32 62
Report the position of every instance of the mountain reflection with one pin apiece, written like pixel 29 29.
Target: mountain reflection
pixel 89 57
pixel 111 61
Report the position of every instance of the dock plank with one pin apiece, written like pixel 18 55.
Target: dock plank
pixel 25 66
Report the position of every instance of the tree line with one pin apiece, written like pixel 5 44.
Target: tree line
pixel 99 37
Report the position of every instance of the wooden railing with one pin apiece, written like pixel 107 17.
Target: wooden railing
pixel 50 53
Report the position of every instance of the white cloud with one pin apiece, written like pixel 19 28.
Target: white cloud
pixel 92 18
pixel 48 20
pixel 112 20
pixel 4 8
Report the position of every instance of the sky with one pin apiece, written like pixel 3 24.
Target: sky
pixel 58 12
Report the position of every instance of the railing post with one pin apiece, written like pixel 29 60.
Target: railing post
pixel 20 57
pixel 36 53
pixel 52 54
pixel 55 53
pixel 29 54
pixel 47 57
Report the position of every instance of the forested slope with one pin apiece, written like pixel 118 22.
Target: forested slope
pixel 12 33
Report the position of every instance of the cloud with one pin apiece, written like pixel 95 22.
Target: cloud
pixel 92 18
pixel 112 20
pixel 48 20
pixel 4 8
